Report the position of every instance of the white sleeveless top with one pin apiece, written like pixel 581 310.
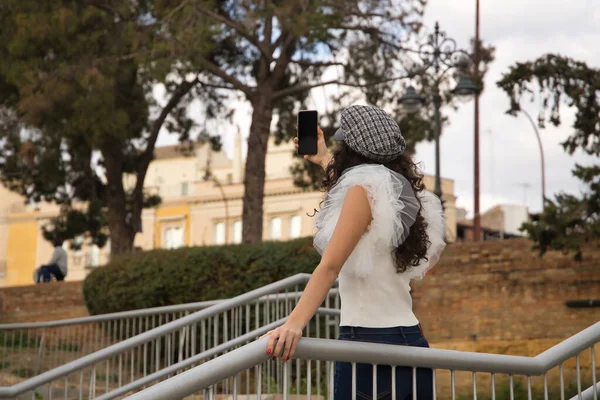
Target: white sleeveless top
pixel 372 293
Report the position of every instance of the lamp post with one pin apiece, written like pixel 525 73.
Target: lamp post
pixel 440 55
pixel 539 139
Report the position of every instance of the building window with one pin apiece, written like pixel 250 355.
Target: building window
pixel 229 179
pixel 220 233
pixel 77 246
pixel 173 238
pixel 184 188
pixel 94 259
pixel 237 231
pixel 295 226
pixel 276 228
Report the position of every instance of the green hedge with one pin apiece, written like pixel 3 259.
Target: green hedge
pixel 165 277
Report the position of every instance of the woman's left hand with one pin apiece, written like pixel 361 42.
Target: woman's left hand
pixel 287 337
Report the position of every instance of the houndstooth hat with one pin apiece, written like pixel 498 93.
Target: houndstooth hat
pixel 371 132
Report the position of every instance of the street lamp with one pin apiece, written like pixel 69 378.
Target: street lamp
pixel 439 54
pixel 465 88
pixel 539 140
pixel 411 101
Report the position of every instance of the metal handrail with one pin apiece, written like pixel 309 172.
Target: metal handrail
pixel 111 316
pixel 138 313
pixel 127 344
pixel 227 346
pixel 253 354
pixel 588 393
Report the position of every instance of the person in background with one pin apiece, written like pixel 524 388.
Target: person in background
pixel 57 265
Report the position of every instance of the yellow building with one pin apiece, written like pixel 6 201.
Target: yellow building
pixel 194 211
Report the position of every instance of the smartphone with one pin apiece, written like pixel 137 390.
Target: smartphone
pixel 307 132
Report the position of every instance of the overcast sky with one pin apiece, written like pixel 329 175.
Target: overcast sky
pixel 510 160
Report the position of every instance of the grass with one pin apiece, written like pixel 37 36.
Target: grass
pixel 17 340
pixel 104 377
pixel 68 347
pixel 520 392
pixel 23 372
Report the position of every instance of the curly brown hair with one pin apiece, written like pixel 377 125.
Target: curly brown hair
pixel 414 249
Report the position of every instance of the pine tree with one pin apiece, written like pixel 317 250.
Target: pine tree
pixel 78 113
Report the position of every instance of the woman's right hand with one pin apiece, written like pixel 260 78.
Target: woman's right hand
pixel 323 155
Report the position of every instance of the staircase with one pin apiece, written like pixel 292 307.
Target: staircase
pixel 210 350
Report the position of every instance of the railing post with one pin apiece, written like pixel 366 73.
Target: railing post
pixel 40 354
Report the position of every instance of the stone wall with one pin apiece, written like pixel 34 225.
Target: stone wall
pixel 504 291
pixel 44 302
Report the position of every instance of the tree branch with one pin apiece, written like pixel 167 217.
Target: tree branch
pixel 308 63
pixel 237 84
pixel 284 59
pixel 148 153
pixel 241 30
pixel 278 41
pixel 301 88
pixel 107 9
pixel 217 86
pixel 174 11
pixel 268 32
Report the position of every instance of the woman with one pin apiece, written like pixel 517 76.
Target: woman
pixel 377 229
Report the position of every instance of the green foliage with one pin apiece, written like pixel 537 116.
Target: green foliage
pixel 568 221
pixel 165 277
pixel 560 81
pixel 72 96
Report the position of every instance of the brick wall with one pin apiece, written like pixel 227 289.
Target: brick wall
pixel 44 302
pixel 503 291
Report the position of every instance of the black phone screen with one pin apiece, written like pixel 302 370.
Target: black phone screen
pixel 307 132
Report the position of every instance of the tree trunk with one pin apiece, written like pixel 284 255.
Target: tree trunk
pixel 121 236
pixel 254 177
pixel 121 221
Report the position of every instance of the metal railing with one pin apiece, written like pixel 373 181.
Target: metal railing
pixel 215 351
pixel 154 348
pixel 225 371
pixel 31 348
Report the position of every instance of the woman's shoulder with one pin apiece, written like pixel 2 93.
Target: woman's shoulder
pixel 365 169
pixel 369 174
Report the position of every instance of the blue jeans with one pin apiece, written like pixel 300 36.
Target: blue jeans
pixel 46 272
pixel 402 336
